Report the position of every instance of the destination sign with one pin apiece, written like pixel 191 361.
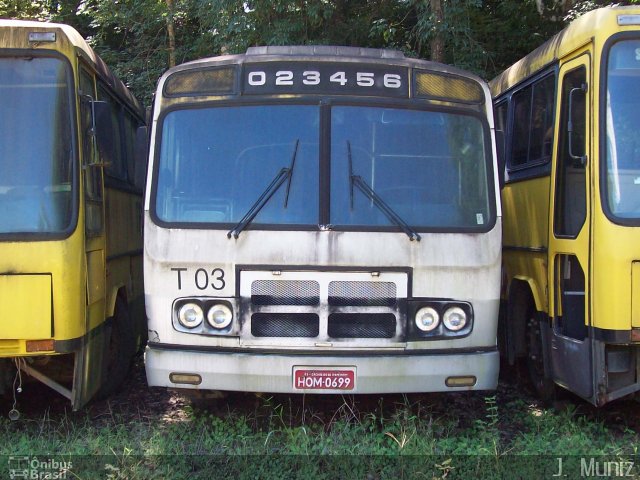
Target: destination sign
pixel 272 78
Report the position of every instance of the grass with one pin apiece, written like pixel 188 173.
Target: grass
pixel 468 435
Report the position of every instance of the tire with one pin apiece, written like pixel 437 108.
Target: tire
pixel 543 386
pixel 120 351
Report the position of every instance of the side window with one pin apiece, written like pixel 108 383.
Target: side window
pixel 532 135
pixel 114 167
pixel 86 83
pixel 130 128
pixel 87 94
pixel 571 200
pixel 500 112
pixel 92 175
pixel 521 124
pixel 570 307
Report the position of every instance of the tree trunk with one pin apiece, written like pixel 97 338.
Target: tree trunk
pixel 437 43
pixel 565 5
pixel 171 33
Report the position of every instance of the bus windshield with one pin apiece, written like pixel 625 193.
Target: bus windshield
pixel 429 168
pixel 36 148
pixel 622 120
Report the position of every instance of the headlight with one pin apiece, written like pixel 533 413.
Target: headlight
pixel 427 319
pixel 455 319
pixel 219 316
pixel 190 315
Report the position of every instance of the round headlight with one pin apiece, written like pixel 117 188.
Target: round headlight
pixel 190 315
pixel 427 319
pixel 455 319
pixel 219 316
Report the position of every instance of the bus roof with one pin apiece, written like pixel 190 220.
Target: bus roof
pixel 11 36
pixel 213 78
pixel 578 33
pixel 329 52
pixel 325 50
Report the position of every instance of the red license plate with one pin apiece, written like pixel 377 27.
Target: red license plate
pixel 324 378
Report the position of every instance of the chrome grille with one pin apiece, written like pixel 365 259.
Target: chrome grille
pixel 285 292
pixel 285 325
pixel 362 325
pixel 358 308
pixel 365 294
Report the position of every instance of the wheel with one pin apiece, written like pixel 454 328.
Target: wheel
pixel 543 386
pixel 120 351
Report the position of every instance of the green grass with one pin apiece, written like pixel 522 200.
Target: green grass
pixel 435 436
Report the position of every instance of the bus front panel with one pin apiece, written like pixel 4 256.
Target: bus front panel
pixel 332 245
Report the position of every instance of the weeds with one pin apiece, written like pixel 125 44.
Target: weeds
pixel 309 437
pixel 404 439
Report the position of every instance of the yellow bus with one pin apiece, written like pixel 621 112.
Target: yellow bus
pixel 71 295
pixel 570 111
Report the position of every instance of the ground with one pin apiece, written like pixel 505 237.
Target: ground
pixel 137 401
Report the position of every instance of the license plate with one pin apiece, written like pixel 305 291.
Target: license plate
pixel 324 378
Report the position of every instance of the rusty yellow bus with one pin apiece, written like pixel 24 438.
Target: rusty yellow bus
pixel 571 201
pixel 70 215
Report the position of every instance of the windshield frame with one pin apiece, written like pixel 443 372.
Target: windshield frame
pixel 324 105
pixel 603 153
pixel 71 89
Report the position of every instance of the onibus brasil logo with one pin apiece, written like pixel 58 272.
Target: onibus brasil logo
pixel 38 469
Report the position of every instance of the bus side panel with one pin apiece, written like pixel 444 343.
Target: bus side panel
pixel 527 203
pixel 124 246
pixel 24 298
pixel 60 311
pixel 617 250
pixel 615 303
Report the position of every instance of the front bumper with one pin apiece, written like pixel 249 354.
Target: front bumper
pixel 273 372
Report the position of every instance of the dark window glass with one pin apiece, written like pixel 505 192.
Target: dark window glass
pixel 36 149
pixel 521 125
pixel 130 128
pixel 93 185
pixel 500 116
pixel 571 201
pixel 532 136
pixel 116 166
pixel 570 316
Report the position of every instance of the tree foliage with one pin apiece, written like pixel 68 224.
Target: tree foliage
pixel 139 39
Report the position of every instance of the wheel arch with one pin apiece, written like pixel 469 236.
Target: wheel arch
pixel 521 295
pixel 118 291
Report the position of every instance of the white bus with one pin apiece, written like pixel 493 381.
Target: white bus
pixel 322 220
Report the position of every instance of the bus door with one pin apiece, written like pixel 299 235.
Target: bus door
pixel 569 238
pixel 89 362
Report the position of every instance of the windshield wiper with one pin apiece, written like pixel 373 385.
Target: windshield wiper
pixel 284 174
pixel 377 200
